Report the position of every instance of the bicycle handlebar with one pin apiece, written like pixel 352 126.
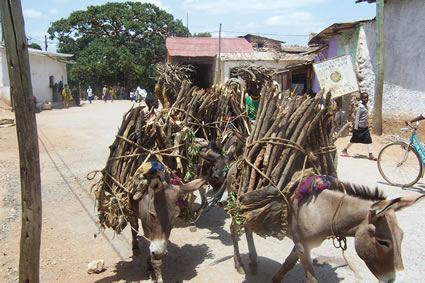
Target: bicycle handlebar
pixel 411 127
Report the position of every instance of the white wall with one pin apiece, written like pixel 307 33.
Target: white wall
pixel 41 68
pixel 404 71
pixel 4 79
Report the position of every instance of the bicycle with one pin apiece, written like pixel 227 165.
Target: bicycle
pixel 401 162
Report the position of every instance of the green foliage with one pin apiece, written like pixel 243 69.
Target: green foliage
pixel 202 34
pixel 35 46
pixel 116 42
pixel 193 151
pixel 233 207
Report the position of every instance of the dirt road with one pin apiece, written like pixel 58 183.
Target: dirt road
pixel 75 141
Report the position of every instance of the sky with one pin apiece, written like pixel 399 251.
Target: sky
pixel 290 21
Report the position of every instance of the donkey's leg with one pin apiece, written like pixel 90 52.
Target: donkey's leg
pixel 236 255
pixel 252 251
pixel 198 212
pixel 156 265
pixel 289 263
pixel 134 223
pixel 304 254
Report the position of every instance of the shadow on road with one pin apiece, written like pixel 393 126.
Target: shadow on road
pixel 418 187
pixel 212 219
pixel 267 268
pixel 179 264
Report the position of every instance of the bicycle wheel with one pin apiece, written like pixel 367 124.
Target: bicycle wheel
pixel 396 168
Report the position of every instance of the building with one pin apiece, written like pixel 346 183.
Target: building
pixel 48 69
pixel 404 55
pixel 214 58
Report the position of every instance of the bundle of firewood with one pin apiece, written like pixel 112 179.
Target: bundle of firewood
pixel 172 137
pixel 291 133
pixel 171 76
pixel 252 77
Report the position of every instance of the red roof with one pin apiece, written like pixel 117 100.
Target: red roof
pixel 205 46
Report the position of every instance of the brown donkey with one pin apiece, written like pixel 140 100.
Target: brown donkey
pixel 342 210
pixel 158 210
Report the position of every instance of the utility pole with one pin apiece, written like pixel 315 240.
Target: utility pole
pixel 2 29
pixel 379 80
pixel 187 21
pixel 26 128
pixel 218 74
pixel 45 42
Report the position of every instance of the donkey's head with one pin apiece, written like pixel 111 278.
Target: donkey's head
pixel 160 211
pixel 378 242
pixel 220 161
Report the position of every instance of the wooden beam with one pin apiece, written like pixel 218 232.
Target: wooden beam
pixel 379 81
pixel 26 128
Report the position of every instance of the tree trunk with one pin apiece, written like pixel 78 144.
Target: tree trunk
pixel 26 127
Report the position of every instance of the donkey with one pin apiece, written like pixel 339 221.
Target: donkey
pixel 341 210
pixel 219 160
pixel 158 209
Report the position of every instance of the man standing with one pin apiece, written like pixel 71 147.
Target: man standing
pixel 89 94
pixel 105 93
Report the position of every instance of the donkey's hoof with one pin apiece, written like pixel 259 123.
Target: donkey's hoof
pixel 192 229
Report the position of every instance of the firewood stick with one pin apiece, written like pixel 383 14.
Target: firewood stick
pixel 306 131
pixel 276 150
pixel 301 118
pixel 257 163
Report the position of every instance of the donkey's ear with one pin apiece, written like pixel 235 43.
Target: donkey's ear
pixel 408 201
pixel 209 155
pixel 191 186
pixel 230 152
pixel 395 204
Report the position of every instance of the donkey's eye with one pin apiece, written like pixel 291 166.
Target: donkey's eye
pixel 383 243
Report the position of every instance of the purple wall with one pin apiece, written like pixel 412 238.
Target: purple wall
pixel 331 52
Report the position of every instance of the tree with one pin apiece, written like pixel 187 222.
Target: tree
pixel 202 34
pixel 35 46
pixel 116 42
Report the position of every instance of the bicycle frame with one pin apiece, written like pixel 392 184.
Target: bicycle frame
pixel 417 145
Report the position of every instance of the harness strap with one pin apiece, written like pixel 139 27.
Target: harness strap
pixel 341 240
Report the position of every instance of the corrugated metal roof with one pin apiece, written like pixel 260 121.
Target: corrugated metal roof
pixel 334 30
pixel 205 46
pixel 42 53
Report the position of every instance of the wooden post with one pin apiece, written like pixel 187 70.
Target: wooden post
pixel 218 69
pixel 26 128
pixel 379 81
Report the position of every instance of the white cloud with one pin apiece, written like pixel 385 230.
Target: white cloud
pixel 32 14
pixel 244 6
pixel 290 19
pixel 53 12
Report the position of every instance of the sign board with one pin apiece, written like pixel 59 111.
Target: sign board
pixel 337 75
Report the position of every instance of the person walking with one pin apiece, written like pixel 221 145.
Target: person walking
pixel 89 94
pixel 361 132
pixel 138 94
pixel 67 96
pixel 105 93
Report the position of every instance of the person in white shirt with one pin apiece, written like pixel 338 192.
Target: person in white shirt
pixel 361 132
pixel 89 94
